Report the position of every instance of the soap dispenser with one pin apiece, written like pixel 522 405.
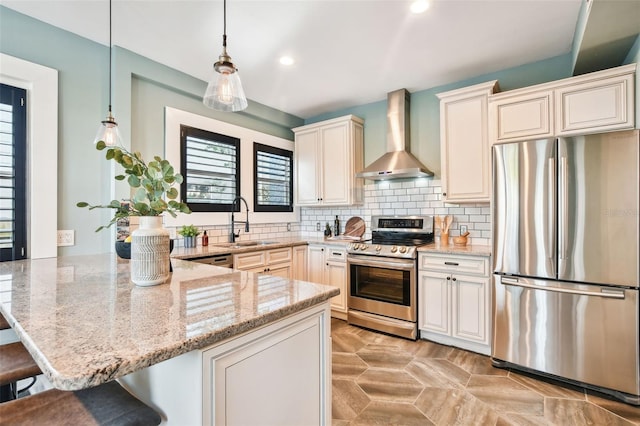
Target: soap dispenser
pixel 205 239
pixel 336 225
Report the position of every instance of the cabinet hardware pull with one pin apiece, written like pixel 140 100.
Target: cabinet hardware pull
pixel 448 278
pixel 452 263
pixel 454 279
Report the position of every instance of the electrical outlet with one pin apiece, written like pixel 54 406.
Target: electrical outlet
pixel 66 237
pixel 318 226
pixel 463 229
pixel 173 234
pixel 288 227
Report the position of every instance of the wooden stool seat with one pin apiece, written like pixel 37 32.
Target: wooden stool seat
pixel 4 325
pixel 16 363
pixel 109 404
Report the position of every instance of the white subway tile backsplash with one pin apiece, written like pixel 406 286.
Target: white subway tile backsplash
pixel 406 197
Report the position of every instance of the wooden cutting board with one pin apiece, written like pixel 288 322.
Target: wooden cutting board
pixel 355 227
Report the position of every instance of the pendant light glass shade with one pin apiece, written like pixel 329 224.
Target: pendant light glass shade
pixel 224 91
pixel 108 130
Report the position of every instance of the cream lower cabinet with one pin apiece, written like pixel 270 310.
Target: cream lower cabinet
pixel 454 301
pixel 464 143
pixel 327 265
pixel 299 263
pixel 327 157
pixel 279 374
pixel 597 102
pixel 276 262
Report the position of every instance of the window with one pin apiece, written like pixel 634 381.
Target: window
pixel 210 164
pixel 272 179
pixel 13 142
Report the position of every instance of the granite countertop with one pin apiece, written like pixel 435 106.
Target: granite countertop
pixel 85 323
pixel 475 250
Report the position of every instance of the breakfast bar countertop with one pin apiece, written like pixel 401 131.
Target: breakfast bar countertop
pixel 85 323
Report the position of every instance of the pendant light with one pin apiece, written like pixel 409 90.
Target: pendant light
pixel 224 92
pixel 108 130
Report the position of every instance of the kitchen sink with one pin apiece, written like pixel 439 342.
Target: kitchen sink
pixel 240 244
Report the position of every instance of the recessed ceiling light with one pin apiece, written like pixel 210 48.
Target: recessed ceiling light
pixel 287 60
pixel 419 6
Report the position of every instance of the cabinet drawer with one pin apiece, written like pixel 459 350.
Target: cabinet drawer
pixel 279 255
pixel 335 254
pixel 249 260
pixel 446 263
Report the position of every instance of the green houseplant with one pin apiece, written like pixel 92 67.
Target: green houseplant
pixel 152 182
pixel 189 232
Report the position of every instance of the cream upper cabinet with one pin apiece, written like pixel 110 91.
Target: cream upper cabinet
pixel 595 106
pixel 328 155
pixel 591 103
pixel 523 116
pixel 464 143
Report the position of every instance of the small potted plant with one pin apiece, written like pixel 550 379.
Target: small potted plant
pixel 189 232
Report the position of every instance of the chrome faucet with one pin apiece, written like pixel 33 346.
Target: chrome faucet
pixel 233 236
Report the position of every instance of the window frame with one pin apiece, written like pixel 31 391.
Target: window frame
pixel 17 98
pixel 271 208
pixel 185 132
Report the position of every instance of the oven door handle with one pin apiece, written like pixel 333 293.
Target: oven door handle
pixel 388 263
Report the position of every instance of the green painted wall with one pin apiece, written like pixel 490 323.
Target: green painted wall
pixel 634 57
pixel 142 89
pixel 425 109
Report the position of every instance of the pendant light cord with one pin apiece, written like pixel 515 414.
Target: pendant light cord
pixel 224 30
pixel 110 55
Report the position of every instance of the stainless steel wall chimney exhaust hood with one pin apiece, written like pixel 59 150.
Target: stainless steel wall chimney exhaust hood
pixel 398 162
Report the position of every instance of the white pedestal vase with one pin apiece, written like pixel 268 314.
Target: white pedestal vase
pixel 150 252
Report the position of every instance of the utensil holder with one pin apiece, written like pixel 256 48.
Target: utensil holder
pixel 444 238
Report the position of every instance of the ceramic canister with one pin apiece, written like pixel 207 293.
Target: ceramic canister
pixel 150 252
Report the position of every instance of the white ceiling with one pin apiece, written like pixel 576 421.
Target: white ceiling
pixel 347 52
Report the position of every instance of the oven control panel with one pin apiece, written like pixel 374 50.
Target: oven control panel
pixel 386 250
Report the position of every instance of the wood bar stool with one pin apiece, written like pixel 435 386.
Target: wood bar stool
pixel 16 364
pixel 106 404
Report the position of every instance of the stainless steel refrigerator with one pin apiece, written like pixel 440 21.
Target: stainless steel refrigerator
pixel 566 274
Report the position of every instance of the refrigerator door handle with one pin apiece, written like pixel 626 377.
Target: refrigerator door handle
pixel 607 293
pixel 551 208
pixel 563 211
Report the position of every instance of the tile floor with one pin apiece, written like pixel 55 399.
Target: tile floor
pixel 384 380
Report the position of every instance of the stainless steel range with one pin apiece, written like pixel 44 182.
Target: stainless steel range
pixel 382 275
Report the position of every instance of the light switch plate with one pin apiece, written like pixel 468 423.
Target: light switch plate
pixel 66 237
pixel 463 229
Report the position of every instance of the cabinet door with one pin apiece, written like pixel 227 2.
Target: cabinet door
pixel 336 275
pixel 464 144
pixel 307 168
pixel 299 263
pixel 523 117
pixel 282 270
pixel 470 308
pixel 433 310
pixel 595 106
pixel 316 264
pixel 336 160
pixel 244 384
